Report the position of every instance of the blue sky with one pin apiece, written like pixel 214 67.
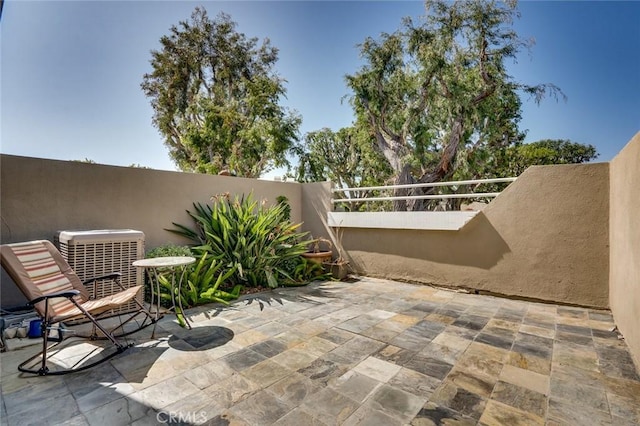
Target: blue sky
pixel 71 70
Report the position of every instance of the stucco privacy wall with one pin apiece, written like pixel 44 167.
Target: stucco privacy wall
pixel 545 237
pixel 316 202
pixel 624 228
pixel 40 197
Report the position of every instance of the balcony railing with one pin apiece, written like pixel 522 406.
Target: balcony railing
pixel 443 196
pixel 444 214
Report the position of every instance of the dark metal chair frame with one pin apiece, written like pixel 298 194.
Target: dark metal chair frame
pixel 75 296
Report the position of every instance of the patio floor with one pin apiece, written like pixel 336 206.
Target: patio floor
pixel 371 352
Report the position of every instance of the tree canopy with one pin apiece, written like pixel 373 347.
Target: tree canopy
pixel 515 159
pixel 437 95
pixel 215 96
pixel 345 157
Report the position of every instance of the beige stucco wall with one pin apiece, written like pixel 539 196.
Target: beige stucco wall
pixel 624 276
pixel 316 202
pixel 545 237
pixel 39 197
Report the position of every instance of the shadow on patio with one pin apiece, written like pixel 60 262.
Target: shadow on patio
pixel 369 352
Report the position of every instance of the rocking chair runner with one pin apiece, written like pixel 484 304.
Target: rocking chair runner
pixel 57 294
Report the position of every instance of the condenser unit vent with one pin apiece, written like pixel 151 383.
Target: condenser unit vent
pixel 100 252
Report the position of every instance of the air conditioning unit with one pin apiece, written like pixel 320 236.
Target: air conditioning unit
pixel 100 252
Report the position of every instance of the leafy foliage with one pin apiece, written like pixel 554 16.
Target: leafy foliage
pixel 201 283
pixel 168 250
pixel 511 161
pixel 286 208
pixel 346 157
pixel 436 94
pixel 256 241
pixel 516 159
pixel 215 96
pixel 300 271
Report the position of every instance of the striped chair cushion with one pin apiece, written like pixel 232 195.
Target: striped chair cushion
pixel 44 272
pixel 98 306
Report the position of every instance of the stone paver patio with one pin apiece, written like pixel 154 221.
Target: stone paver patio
pixel 372 352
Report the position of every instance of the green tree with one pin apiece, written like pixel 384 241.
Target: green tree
pixel 514 160
pixel 437 94
pixel 215 97
pixel 511 161
pixel 346 157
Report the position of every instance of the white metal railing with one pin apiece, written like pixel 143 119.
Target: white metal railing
pixel 422 185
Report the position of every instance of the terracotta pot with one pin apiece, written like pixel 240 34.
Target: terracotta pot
pixel 318 257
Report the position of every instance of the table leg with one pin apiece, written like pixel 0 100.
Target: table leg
pixel 152 276
pixel 155 276
pixel 184 268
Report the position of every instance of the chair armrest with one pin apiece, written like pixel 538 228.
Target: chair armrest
pixel 111 276
pixel 115 276
pixel 67 293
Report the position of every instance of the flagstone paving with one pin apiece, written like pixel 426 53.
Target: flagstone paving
pixel 371 352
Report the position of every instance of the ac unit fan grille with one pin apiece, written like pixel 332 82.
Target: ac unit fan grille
pixel 91 259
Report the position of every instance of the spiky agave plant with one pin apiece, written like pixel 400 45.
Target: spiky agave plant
pixel 253 238
pixel 200 285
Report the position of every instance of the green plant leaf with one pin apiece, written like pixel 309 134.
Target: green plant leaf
pixel 256 241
